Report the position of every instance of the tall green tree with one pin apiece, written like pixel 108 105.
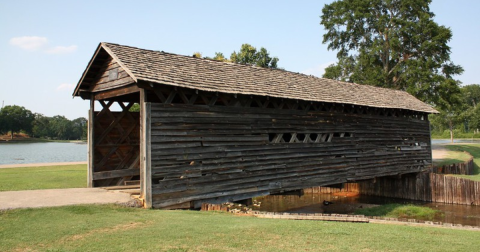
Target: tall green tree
pixel 41 126
pixel 471 111
pixel 463 117
pixel 471 94
pixel 61 127
pixel 15 118
pixel 249 55
pixel 391 43
pixel 79 128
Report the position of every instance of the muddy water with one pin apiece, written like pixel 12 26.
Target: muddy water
pixel 313 203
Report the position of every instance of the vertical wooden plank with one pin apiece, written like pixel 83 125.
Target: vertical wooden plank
pixel 145 150
pixel 148 156
pixel 90 141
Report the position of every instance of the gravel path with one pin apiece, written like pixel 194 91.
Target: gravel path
pixel 60 197
pixel 439 152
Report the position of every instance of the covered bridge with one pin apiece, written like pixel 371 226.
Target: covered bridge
pixel 211 131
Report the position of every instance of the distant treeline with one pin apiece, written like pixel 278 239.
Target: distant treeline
pixel 16 119
pixel 461 120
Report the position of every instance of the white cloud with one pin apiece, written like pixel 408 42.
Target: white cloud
pixel 318 70
pixel 29 43
pixel 34 43
pixel 65 87
pixel 61 49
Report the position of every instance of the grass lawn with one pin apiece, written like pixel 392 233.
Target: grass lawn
pixel 114 228
pixel 400 211
pixel 48 177
pixel 454 156
pixel 474 150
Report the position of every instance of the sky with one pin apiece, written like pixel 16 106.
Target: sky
pixel 46 45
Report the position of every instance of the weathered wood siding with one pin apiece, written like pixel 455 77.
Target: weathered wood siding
pixel 111 76
pixel 207 147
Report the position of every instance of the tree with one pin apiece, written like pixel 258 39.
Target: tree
pixel 135 108
pixel 79 130
pixel 471 94
pixel 220 57
pixel 61 127
pixel 15 118
pixel 249 55
pixel 41 126
pixel 471 112
pixel 391 43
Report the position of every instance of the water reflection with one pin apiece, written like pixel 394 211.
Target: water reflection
pixel 313 203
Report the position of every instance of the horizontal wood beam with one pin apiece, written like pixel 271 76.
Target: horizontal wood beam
pixel 116 173
pixel 117 92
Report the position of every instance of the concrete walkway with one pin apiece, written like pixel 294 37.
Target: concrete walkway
pixel 59 197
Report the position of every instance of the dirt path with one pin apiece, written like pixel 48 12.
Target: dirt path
pixel 439 152
pixel 60 197
pixel 40 164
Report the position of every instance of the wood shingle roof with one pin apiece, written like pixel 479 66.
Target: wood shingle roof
pixel 209 75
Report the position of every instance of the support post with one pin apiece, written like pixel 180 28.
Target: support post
pixel 90 141
pixel 145 151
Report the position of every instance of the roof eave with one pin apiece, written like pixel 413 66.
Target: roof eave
pixel 87 69
pixel 100 46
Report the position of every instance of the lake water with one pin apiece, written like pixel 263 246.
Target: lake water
pixel 447 141
pixel 51 152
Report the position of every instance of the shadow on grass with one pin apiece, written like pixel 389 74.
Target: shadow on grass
pixel 447 161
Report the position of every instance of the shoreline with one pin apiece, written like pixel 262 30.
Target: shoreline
pixel 5 166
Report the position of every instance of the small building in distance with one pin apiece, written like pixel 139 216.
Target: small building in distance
pixel 211 131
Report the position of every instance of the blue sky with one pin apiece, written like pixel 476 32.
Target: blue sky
pixel 40 72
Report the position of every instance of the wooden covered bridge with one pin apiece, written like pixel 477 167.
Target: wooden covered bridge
pixel 211 131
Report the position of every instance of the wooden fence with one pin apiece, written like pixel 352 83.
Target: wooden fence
pixel 426 186
pixel 347 187
pixel 465 168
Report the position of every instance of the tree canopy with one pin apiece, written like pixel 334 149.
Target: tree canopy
pixel 59 127
pixel 248 55
pixel 462 118
pixel 391 43
pixel 15 118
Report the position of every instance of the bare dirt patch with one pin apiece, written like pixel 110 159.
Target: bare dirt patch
pixel 121 227
pixel 439 152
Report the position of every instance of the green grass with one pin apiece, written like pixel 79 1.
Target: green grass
pixel 35 140
pixel 474 150
pixel 454 156
pixel 113 228
pixel 400 211
pixel 48 177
